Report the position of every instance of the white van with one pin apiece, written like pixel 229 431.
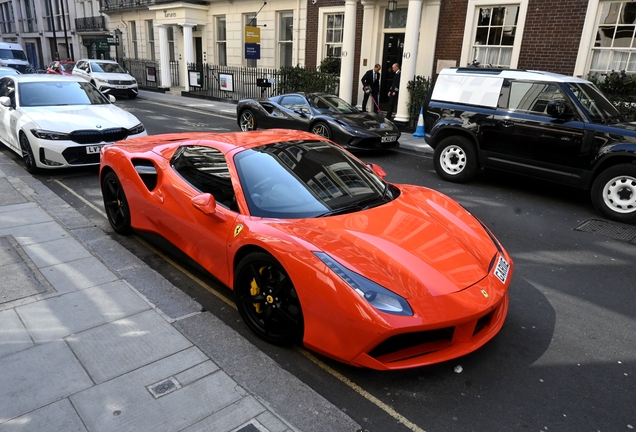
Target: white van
pixel 12 55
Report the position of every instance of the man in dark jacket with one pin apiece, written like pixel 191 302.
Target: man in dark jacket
pixel 371 86
pixel 393 91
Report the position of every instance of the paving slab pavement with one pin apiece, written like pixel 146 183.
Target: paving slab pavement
pixel 86 343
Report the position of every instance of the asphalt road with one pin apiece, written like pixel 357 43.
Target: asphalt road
pixel 565 359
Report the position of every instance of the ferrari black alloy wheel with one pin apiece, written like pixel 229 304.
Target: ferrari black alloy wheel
pixel 247 120
pixel 116 204
pixel 27 154
pixel 267 300
pixel 321 129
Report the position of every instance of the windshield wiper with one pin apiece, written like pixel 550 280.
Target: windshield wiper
pixel 342 210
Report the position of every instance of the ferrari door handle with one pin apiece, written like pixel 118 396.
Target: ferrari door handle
pixel 159 196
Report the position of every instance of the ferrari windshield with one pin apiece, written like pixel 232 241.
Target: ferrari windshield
pixel 327 104
pixel 600 109
pixel 56 93
pixel 304 179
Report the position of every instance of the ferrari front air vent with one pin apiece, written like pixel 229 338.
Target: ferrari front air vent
pixel 96 136
pixel 407 345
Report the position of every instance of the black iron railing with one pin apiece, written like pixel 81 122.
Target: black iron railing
pixel 148 72
pixel 97 23
pixel 117 5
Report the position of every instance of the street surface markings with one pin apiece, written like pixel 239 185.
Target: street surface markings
pixel 355 387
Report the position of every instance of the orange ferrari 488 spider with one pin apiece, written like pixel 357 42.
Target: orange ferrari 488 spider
pixel 316 246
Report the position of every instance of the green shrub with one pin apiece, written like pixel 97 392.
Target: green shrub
pixel 330 65
pixel 418 89
pixel 298 79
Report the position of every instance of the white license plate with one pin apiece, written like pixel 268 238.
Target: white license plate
pixel 93 149
pixel 120 87
pixel 389 138
pixel 501 269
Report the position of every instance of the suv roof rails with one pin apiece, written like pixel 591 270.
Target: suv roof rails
pixel 490 71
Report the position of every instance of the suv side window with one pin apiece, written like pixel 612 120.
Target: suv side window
pixel 533 97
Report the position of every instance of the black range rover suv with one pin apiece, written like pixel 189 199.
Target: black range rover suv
pixel 538 124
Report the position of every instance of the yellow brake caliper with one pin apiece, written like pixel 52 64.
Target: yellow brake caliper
pixel 255 290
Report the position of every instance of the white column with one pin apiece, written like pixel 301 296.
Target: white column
pixel 366 47
pixel 188 50
pixel 409 57
pixel 348 50
pixel 164 56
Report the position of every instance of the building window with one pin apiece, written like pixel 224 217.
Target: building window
pixel 134 52
pixel 495 35
pixel 250 20
pixel 150 29
pixel 221 43
pixel 335 25
pixel 8 21
pixel 285 38
pixel 171 43
pixel 614 47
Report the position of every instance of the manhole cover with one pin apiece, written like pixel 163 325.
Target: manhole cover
pixel 608 229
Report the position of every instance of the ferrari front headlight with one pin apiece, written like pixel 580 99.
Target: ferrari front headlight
pixel 379 297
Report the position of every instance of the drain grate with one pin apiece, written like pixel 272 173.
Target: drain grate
pixel 164 387
pixel 608 229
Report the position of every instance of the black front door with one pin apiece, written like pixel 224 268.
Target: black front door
pixel 198 50
pixel 392 53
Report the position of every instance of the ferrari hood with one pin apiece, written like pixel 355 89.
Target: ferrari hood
pixel 69 118
pixel 421 244
pixel 365 120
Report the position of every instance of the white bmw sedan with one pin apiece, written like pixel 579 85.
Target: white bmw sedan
pixel 60 121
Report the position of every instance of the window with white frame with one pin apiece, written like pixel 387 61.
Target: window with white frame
pixel 333 35
pixel 221 41
pixel 615 46
pixel 285 37
pixel 495 31
pixel 132 27
pixel 250 20
pixel 150 30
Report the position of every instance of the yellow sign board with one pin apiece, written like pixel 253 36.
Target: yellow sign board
pixel 252 34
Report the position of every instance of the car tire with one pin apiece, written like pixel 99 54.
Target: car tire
pixel 455 159
pixel 132 96
pixel 267 300
pixel 27 155
pixel 116 204
pixel 614 193
pixel 321 129
pixel 247 120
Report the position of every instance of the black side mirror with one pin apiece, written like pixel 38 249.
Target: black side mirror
pixel 558 109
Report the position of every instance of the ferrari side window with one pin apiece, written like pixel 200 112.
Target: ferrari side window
pixel 206 170
pixel 295 103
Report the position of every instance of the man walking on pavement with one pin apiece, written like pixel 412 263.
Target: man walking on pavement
pixel 371 86
pixel 393 91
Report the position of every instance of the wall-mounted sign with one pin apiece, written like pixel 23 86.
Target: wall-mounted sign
pixel 252 51
pixel 151 74
pixel 226 82
pixel 194 78
pixel 252 34
pixel 102 45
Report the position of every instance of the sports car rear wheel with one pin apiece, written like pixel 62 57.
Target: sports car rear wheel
pixel 267 299
pixel 116 204
pixel 27 155
pixel 321 129
pixel 247 120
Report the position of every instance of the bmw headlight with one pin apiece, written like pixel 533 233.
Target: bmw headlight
pixel 379 297
pixel 136 129
pixel 49 135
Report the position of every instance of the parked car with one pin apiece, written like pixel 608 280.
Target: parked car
pixel 322 114
pixel 56 121
pixel 6 70
pixel 538 124
pixel 316 246
pixel 108 76
pixel 62 67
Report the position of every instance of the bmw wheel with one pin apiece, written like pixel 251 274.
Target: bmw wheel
pixel 27 155
pixel 455 159
pixel 614 193
pixel 116 205
pixel 247 121
pixel 267 299
pixel 322 129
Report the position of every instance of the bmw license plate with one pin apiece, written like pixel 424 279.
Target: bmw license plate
pixel 389 138
pixel 501 269
pixel 93 149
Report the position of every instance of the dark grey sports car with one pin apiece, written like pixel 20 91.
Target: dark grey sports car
pixel 321 113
